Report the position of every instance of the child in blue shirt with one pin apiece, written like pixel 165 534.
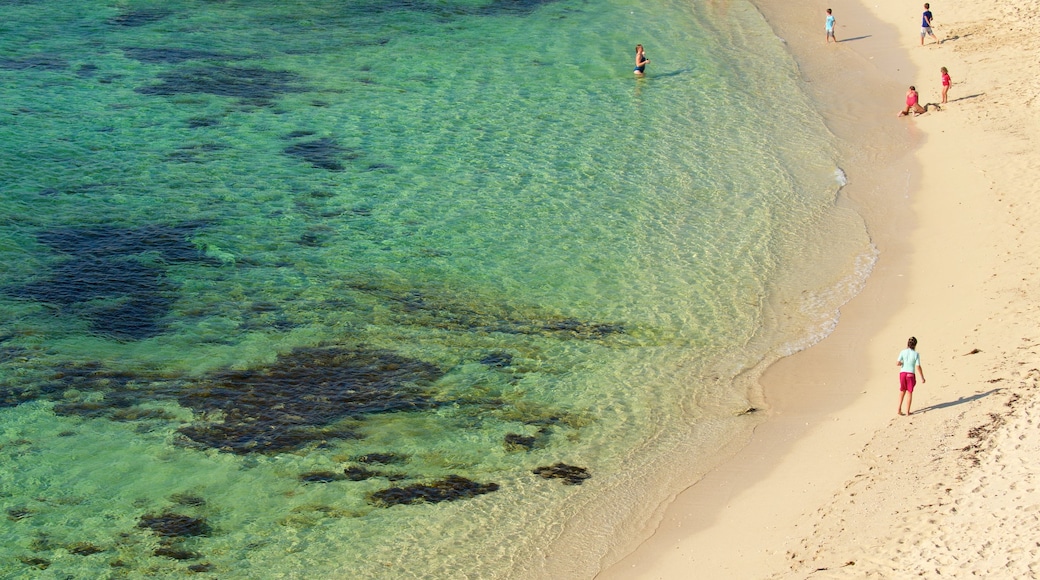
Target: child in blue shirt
pixel 909 364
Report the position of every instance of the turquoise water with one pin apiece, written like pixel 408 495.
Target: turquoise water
pixel 313 289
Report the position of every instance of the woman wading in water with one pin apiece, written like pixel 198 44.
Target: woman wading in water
pixel 641 60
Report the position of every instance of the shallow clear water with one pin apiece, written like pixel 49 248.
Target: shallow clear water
pixel 247 248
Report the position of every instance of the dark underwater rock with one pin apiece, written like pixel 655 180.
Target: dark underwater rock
pixel 173 525
pixel 188 499
pixel 104 278
pixel 321 477
pixel 200 568
pixel 356 473
pixel 570 474
pixel 139 17
pixel 36 61
pixel 19 513
pixel 324 153
pixel 382 458
pixel 451 488
pixel 257 84
pixel 84 549
pixel 517 442
pixel 172 55
pixel 38 563
pixel 176 553
pixel 498 359
pixel 296 400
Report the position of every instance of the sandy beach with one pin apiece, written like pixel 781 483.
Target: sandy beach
pixel 835 484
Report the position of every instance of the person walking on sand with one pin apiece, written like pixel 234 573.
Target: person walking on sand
pixel 909 364
pixel 912 104
pixel 830 27
pixel 641 60
pixel 945 83
pixel 926 24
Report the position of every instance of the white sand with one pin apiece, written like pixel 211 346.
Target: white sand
pixel 835 484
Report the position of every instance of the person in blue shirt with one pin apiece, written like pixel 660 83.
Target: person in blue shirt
pixel 926 25
pixel 909 364
pixel 830 27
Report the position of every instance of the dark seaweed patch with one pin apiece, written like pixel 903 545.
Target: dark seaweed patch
pixel 188 499
pixel 84 549
pixel 200 122
pixel 450 488
pixel 321 477
pixel 105 279
pixel 325 153
pixel 570 474
pixel 293 402
pixel 171 55
pixel 176 553
pixel 257 84
pixel 86 71
pixel 200 568
pixel 497 359
pixel 419 309
pixel 19 513
pixel 517 442
pixel 36 61
pixel 382 458
pixel 139 17
pixel 356 473
pixel 38 563
pixel 173 525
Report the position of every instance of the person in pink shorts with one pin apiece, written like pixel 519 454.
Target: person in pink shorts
pixel 909 364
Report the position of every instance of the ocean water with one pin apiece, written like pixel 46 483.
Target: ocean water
pixel 412 289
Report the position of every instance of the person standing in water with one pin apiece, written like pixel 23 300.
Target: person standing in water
pixel 641 60
pixel 946 82
pixel 830 27
pixel 909 364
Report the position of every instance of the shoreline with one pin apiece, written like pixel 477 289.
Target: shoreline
pixel 786 503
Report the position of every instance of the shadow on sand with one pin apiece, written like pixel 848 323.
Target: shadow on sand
pixel 959 401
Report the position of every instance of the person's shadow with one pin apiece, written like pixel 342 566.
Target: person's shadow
pixel 959 401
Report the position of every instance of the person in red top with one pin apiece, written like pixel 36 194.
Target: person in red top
pixel 946 82
pixel 911 103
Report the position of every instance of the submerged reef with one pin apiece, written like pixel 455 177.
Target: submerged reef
pixel 256 84
pixel 451 488
pixel 570 474
pixel 139 17
pixel 173 55
pixel 297 400
pixel 174 525
pixel 324 153
pixel 114 276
